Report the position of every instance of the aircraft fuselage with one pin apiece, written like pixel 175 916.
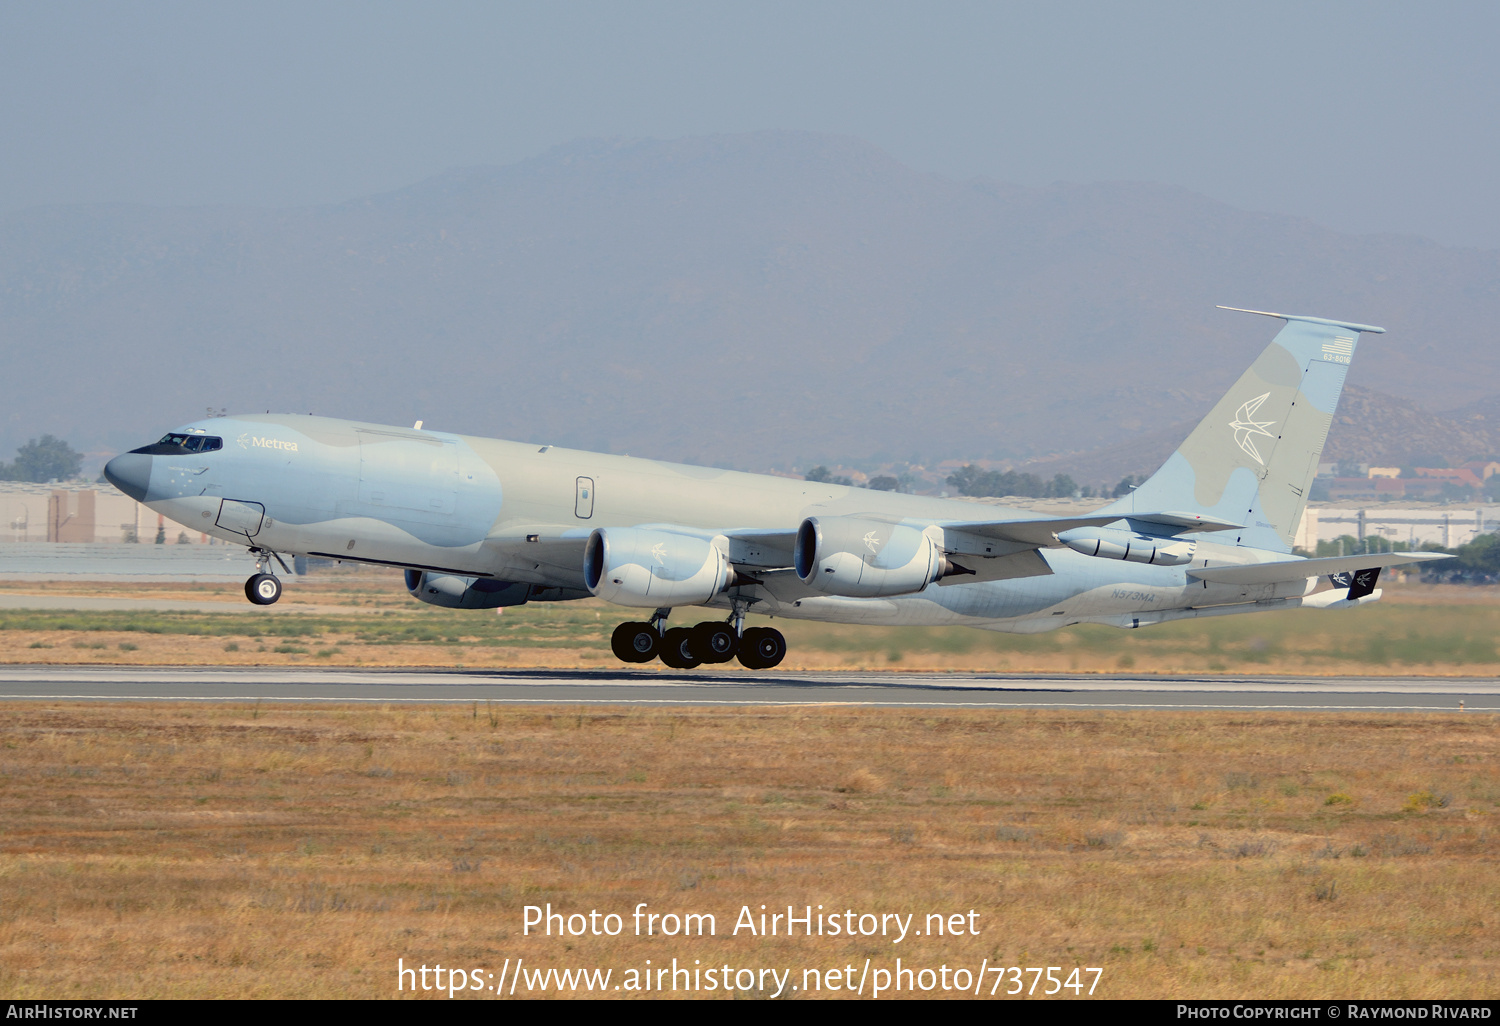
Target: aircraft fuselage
pixel 518 512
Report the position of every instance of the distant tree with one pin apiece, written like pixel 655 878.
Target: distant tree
pixel 1480 558
pixel 1348 545
pixel 1343 545
pixel 963 478
pixel 1478 562
pixel 970 480
pixel 45 459
pixel 825 476
pixel 1127 483
pixel 1492 488
pixel 1452 491
pixel 884 484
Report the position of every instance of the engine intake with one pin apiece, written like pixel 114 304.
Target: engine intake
pixel 633 566
pixel 859 558
pixel 455 592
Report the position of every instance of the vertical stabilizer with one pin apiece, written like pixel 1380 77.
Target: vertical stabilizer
pixel 1253 458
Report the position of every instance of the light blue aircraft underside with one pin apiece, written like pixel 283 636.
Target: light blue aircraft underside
pixel 479 523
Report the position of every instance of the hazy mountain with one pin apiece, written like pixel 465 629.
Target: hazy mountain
pixel 761 300
pixel 1484 412
pixel 1371 427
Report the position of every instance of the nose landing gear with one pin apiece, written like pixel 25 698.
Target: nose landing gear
pixel 264 587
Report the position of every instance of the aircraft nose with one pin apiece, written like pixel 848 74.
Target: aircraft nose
pixel 131 473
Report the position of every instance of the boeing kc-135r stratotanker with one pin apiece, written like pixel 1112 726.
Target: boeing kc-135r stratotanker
pixel 478 524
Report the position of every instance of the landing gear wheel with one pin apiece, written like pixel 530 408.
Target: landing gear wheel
pixel 263 589
pixel 677 649
pixel 761 648
pixel 715 642
pixel 635 642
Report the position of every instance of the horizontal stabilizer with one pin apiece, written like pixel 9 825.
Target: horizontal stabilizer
pixel 1286 570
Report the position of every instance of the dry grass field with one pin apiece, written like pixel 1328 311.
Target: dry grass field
pixel 368 619
pixel 175 850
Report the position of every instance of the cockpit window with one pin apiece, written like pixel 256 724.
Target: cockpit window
pixel 193 443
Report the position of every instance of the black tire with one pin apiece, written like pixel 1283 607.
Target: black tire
pixel 263 589
pixel 762 648
pixel 715 642
pixel 748 653
pixel 677 649
pixel 635 642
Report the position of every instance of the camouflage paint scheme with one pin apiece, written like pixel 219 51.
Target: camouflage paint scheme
pixel 522 513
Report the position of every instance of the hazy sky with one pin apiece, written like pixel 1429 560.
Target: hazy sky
pixel 1364 116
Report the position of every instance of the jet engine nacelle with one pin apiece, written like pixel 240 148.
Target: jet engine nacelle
pixel 633 566
pixel 455 592
pixel 860 558
pixel 1134 548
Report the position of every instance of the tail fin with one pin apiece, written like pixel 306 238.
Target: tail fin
pixel 1253 458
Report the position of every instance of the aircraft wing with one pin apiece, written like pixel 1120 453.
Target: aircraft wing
pixel 1284 571
pixel 1016 535
pixel 552 551
pixel 991 539
pixel 761 548
pixel 1007 547
pixel 1022 534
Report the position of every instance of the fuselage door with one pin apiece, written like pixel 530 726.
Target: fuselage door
pixel 583 508
pixel 241 517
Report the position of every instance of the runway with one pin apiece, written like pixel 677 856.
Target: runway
pixel 620 686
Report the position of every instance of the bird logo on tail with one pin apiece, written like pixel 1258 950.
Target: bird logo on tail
pixel 1246 428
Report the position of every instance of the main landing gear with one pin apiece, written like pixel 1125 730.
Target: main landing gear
pixel 682 648
pixel 264 588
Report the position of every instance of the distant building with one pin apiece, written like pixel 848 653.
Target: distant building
pixel 76 513
pixel 1430 483
pixel 1461 476
pixel 1414 526
pixel 1375 489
